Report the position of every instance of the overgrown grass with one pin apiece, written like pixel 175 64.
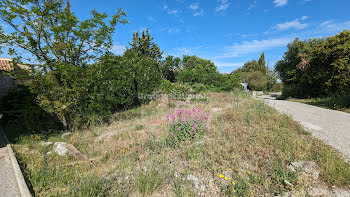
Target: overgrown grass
pixel 341 103
pixel 249 144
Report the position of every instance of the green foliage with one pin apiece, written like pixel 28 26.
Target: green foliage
pixel 169 68
pixel 53 34
pixel 256 80
pixel 197 70
pixel 262 64
pixel 143 45
pixel 228 82
pixel 277 87
pixel 177 91
pixel 316 67
pixel 62 45
pixel 21 115
pixel 256 74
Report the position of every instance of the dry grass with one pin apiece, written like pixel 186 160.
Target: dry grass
pixel 249 143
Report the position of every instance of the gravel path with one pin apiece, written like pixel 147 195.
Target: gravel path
pixel 8 182
pixel 332 127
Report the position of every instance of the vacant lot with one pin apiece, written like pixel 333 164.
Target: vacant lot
pixel 245 151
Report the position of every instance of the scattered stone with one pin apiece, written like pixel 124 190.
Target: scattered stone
pixel 192 178
pixel 106 135
pixel 200 188
pixel 46 143
pixel 62 149
pixel 216 109
pixel 308 167
pixel 319 190
pixel 66 134
pixel 338 192
pixel 49 153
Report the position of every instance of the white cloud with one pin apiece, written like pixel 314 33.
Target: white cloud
pixel 223 5
pixel 330 26
pixel 255 46
pixel 173 12
pixel 150 18
pixel 180 51
pixel 173 30
pixel 280 3
pixel 253 5
pixel 228 64
pixel 194 6
pixel 296 24
pixel 118 49
pixel 170 11
pixel 326 23
pixel 304 18
pixel 199 13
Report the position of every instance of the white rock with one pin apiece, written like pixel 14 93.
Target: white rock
pixel 46 143
pixel 341 192
pixel 319 190
pixel 216 109
pixel 60 148
pixel 308 167
pixel 66 134
pixel 106 135
pixel 192 178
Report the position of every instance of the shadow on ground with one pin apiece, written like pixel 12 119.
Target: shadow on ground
pixel 21 116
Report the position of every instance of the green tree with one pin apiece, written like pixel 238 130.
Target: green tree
pixel 143 45
pixel 169 67
pixel 262 64
pixel 316 67
pixel 60 43
pixel 256 80
pixel 197 70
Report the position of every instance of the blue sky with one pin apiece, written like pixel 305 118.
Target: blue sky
pixel 228 32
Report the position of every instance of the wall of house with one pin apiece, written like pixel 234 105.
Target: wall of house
pixel 6 83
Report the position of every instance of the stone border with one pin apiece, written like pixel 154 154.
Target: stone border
pixel 23 188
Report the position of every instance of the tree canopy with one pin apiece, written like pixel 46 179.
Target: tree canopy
pixel 316 67
pixel 50 32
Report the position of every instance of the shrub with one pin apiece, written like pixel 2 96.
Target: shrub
pixel 178 91
pixel 199 87
pixel 21 114
pixel 186 124
pixel 277 87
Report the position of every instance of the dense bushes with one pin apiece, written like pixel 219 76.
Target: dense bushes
pixel 94 92
pixel 21 114
pixel 316 67
pixel 257 75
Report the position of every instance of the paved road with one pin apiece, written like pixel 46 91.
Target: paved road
pixel 8 183
pixel 332 127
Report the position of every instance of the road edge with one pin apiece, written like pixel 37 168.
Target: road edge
pixel 22 186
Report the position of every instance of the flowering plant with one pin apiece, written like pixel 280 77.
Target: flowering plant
pixel 186 124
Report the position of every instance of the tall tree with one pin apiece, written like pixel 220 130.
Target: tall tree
pixel 169 67
pixel 316 67
pixel 143 45
pixel 61 45
pixel 262 64
pixel 49 31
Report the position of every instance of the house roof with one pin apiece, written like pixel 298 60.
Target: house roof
pixel 6 64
